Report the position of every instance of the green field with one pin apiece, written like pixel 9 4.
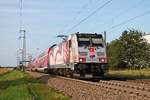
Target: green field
pixel 144 73
pixel 16 85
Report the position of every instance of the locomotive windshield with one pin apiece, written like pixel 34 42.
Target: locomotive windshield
pixel 90 40
pixel 83 41
pixel 97 41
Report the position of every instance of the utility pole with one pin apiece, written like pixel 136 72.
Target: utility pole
pixel 18 58
pixel 105 36
pixel 23 49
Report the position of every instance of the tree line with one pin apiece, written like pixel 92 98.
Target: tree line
pixel 129 51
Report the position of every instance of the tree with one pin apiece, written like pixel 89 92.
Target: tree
pixel 115 50
pixel 137 50
pixel 130 50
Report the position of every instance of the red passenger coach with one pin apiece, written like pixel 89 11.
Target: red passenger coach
pixel 59 55
pixel 40 63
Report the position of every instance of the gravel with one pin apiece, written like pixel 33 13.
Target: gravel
pixel 81 91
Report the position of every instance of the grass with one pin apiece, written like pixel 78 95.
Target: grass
pixel 144 73
pixel 3 70
pixel 16 85
pixel 40 93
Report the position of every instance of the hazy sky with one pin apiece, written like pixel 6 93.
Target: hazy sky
pixel 45 19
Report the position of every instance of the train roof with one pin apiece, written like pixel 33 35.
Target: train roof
pixel 78 35
pixel 89 35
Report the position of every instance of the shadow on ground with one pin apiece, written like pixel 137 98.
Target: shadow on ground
pixel 117 78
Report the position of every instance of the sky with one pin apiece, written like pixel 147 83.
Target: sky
pixel 43 20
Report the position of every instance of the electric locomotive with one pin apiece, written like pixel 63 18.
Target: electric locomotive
pixel 80 54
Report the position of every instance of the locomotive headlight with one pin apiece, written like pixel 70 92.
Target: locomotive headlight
pixel 80 60
pixel 102 60
pixel 83 60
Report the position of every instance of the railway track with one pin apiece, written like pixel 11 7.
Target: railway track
pixel 141 81
pixel 118 86
pixel 135 83
pixel 127 88
pixel 106 90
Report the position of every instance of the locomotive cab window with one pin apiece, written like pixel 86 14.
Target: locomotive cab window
pixel 83 41
pixel 90 42
pixel 97 42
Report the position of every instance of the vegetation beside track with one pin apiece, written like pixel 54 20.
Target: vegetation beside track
pixel 129 51
pixel 3 70
pixel 144 73
pixel 16 85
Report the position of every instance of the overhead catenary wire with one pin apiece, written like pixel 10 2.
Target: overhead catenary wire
pixel 126 21
pixel 128 9
pixel 122 13
pixel 91 14
pixel 75 17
